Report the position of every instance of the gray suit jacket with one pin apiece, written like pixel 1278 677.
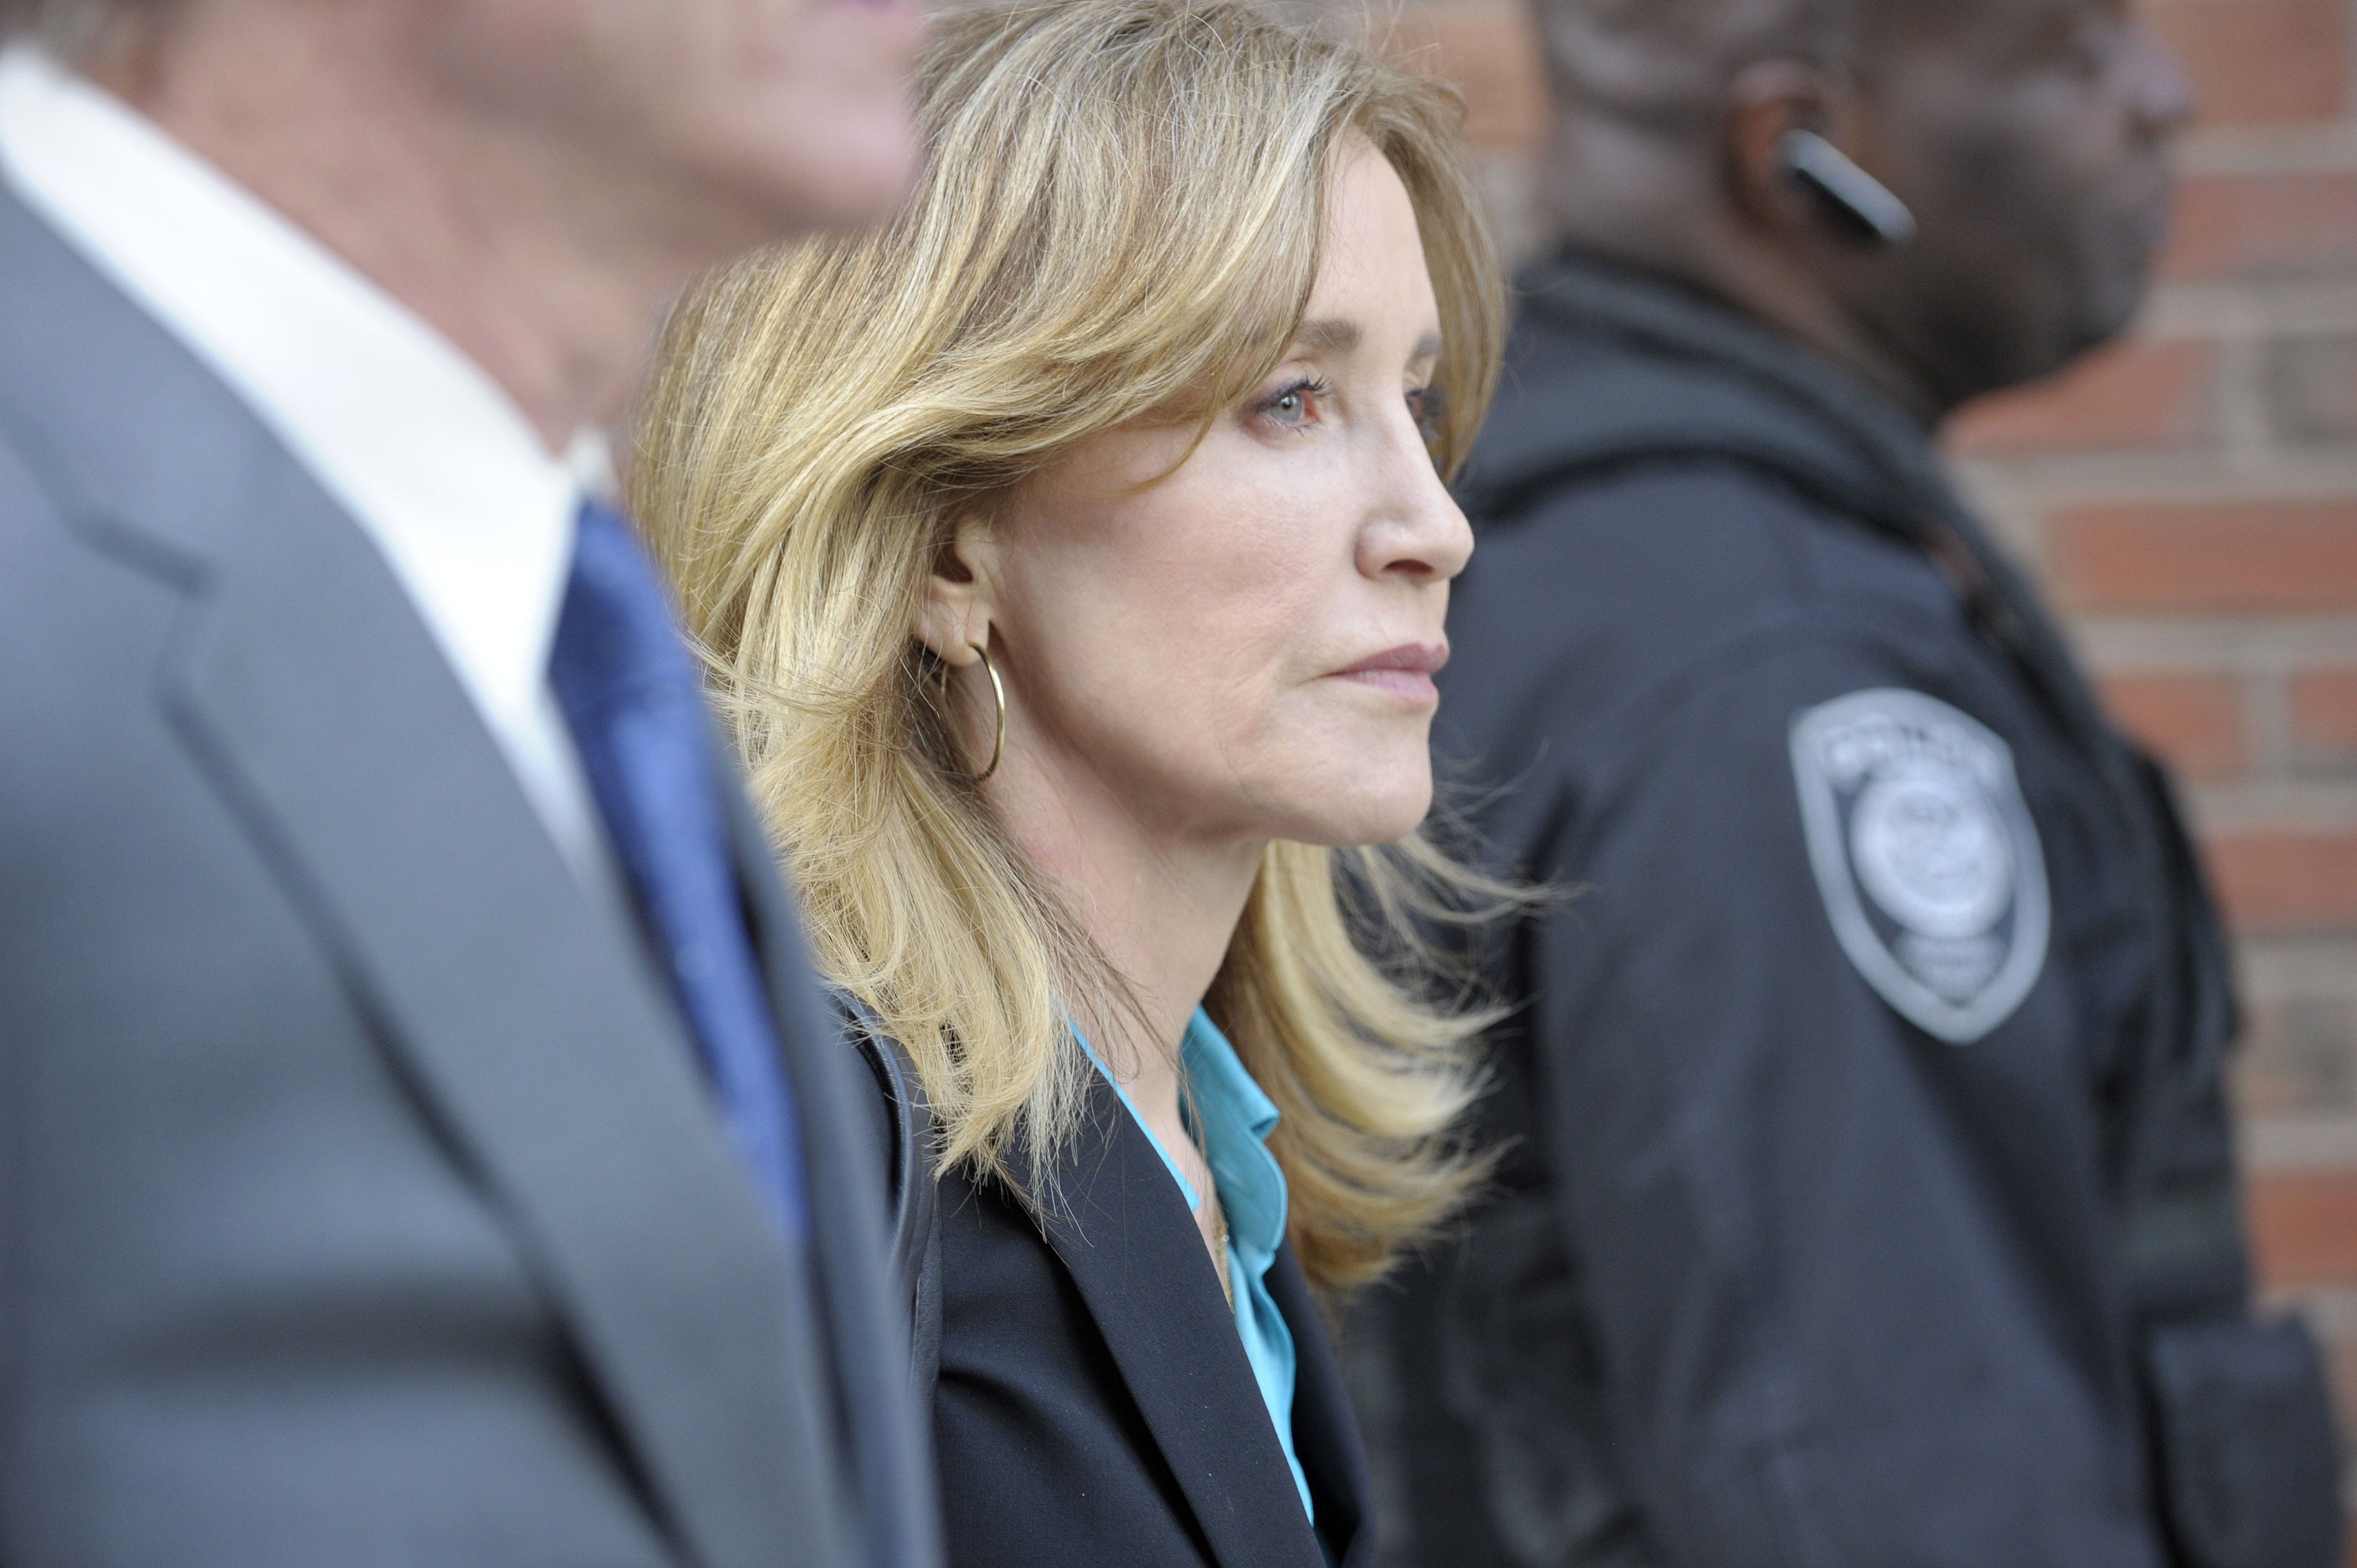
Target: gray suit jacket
pixel 361 1200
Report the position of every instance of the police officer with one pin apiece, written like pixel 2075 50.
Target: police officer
pixel 1869 1197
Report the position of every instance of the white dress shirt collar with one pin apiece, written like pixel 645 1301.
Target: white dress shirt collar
pixel 429 454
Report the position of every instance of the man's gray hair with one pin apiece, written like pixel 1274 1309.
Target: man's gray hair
pixel 1666 61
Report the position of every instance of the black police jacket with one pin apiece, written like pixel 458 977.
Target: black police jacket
pixel 1871 1201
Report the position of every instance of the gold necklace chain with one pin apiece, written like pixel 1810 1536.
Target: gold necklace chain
pixel 1219 1219
pixel 1220 1247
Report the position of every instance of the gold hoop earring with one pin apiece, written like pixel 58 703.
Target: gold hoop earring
pixel 999 690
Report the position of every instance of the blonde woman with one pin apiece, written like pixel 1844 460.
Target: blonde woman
pixel 1077 554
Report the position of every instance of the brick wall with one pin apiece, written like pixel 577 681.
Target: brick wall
pixel 2189 500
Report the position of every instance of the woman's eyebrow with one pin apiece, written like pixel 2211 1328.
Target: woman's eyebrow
pixel 1333 335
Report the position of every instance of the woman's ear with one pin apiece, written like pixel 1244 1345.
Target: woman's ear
pixel 960 597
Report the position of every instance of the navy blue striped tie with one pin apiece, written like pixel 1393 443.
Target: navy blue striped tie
pixel 630 691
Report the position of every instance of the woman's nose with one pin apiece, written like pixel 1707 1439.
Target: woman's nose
pixel 1415 529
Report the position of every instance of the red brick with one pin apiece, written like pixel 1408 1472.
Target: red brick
pixel 2304 1227
pixel 1489 50
pixel 2286 880
pixel 2195 722
pixel 2263 227
pixel 2324 709
pixel 2136 395
pixel 2249 556
pixel 2261 61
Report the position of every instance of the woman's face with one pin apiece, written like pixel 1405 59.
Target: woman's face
pixel 1242 651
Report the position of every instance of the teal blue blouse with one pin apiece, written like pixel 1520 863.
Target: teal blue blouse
pixel 1228 1113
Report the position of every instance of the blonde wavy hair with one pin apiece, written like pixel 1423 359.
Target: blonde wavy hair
pixel 1121 216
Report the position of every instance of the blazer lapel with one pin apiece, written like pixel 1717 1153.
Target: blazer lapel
pixel 1125 1237
pixel 523 1013
pixel 1325 1428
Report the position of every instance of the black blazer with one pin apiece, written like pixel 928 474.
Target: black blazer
pixel 1095 1403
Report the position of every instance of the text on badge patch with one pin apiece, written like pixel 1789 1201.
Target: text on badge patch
pixel 1925 855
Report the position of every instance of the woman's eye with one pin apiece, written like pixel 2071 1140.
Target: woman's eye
pixel 1294 407
pixel 1429 405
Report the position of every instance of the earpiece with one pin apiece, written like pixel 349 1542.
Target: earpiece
pixel 1859 204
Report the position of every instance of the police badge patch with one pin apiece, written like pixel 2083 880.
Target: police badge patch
pixel 1926 856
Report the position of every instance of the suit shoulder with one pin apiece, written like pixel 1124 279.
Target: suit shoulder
pixel 28 497
pixel 71 580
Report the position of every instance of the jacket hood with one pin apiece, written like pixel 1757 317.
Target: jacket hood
pixel 1610 367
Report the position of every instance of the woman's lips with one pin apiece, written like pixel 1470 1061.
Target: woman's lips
pixel 1405 672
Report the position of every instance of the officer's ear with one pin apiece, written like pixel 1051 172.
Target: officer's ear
pixel 1789 143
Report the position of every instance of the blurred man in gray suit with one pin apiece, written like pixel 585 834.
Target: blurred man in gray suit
pixel 421 1139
